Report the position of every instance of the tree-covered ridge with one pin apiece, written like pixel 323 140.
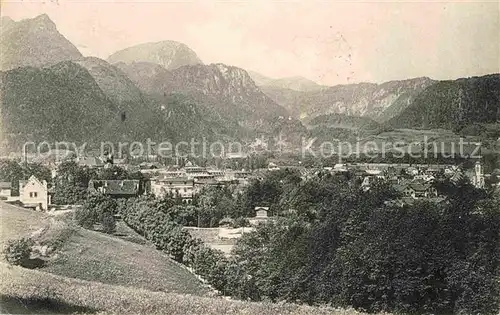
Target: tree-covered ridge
pixel 454 104
pixel 58 103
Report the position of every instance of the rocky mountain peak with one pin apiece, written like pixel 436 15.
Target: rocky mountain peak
pixel 34 42
pixel 43 21
pixel 169 54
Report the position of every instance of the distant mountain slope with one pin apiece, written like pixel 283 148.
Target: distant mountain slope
pixel 288 98
pixel 297 84
pixel 146 76
pixel 293 83
pixel 228 92
pixel 112 81
pixel 343 121
pixel 453 104
pixel 258 78
pixel 33 42
pixel 59 103
pixel 185 119
pixel 6 22
pixel 139 116
pixel 169 54
pixel 377 101
pixel 340 127
pixel 228 89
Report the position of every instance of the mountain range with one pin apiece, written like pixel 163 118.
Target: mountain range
pixel 163 90
pixel 377 101
pixel 228 91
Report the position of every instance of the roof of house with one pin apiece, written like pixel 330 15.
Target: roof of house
pixel 174 179
pixel 90 161
pixel 206 181
pixel 419 186
pixel 23 183
pixel 400 187
pixel 5 185
pixel 116 187
pixel 150 165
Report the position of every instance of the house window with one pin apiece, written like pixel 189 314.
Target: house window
pixel 33 194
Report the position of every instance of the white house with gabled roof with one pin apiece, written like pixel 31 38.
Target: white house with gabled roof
pixel 34 193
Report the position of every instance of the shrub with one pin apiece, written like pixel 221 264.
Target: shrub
pixel 176 239
pixel 108 222
pixel 239 283
pixel 190 249
pixel 209 264
pixel 85 217
pixel 97 209
pixel 18 251
pixel 241 222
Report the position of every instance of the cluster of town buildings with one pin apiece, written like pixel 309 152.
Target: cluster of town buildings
pixel 413 181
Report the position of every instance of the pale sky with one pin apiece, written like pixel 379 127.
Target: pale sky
pixel 329 42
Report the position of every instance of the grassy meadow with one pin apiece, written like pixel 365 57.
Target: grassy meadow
pixel 95 256
pixel 94 297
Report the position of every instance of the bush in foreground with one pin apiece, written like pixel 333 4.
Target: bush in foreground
pixel 17 252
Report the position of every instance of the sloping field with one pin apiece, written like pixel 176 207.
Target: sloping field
pixel 16 222
pixel 94 256
pixel 46 291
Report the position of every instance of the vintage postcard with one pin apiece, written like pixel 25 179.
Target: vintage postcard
pixel 249 157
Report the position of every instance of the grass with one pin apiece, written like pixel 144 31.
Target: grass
pixel 16 222
pixel 33 285
pixel 94 256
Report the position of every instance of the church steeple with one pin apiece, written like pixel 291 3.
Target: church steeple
pixel 478 175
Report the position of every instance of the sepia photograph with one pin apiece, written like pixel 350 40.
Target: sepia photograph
pixel 250 157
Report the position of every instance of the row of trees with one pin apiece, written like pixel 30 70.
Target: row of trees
pixel 155 220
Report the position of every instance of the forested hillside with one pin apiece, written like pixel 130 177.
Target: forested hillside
pixel 454 104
